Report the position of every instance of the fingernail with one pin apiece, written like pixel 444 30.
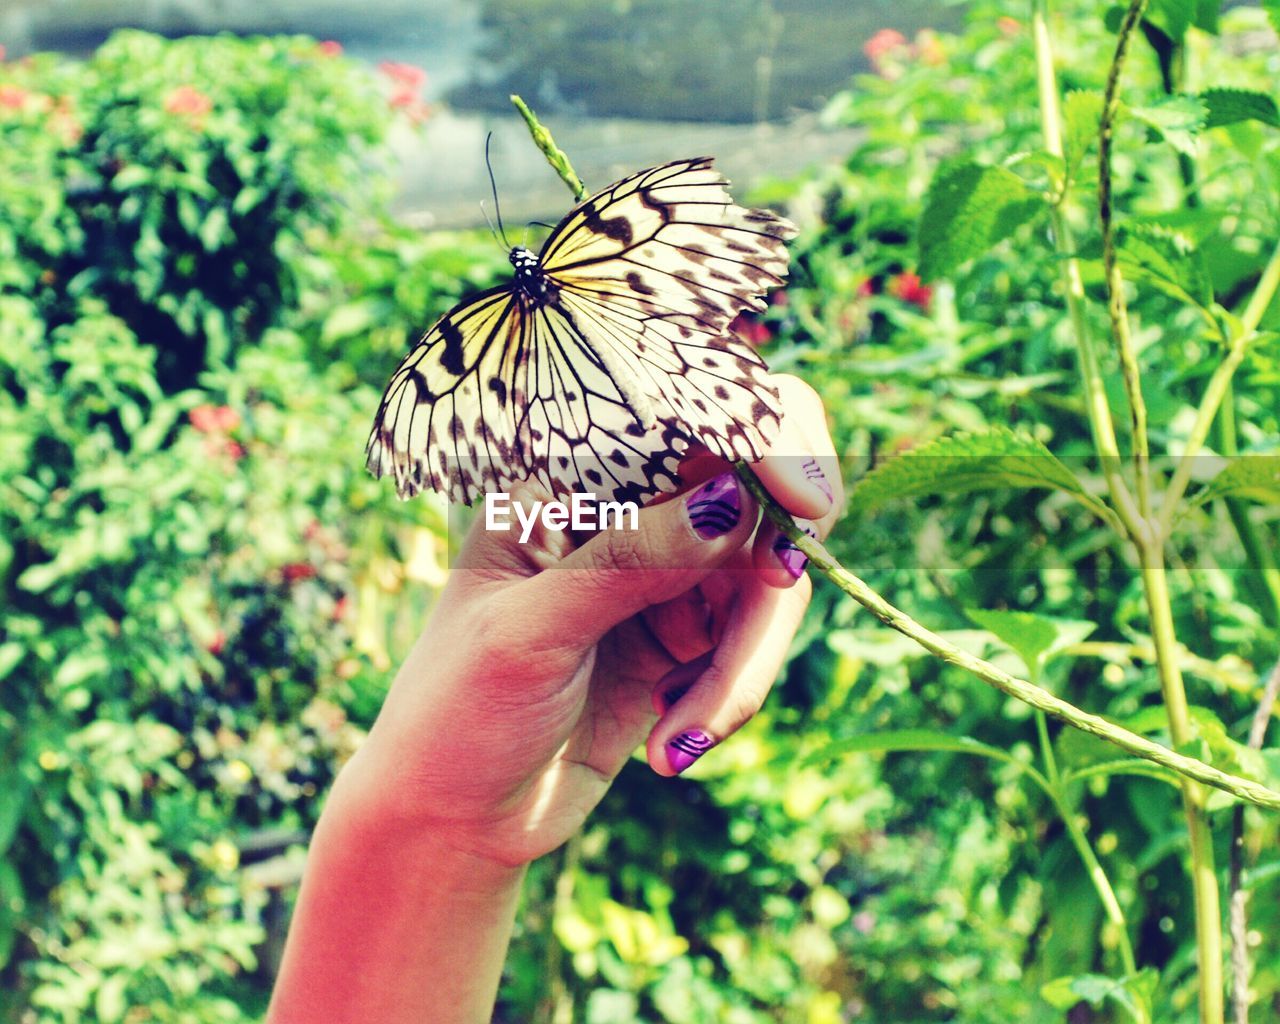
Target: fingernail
pixel 715 507
pixel 813 473
pixel 792 558
pixel 687 748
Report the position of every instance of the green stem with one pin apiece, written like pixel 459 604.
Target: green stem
pixel 1220 385
pixel 556 156
pixel 1020 689
pixel 1149 541
pixel 1099 411
pixel 1117 309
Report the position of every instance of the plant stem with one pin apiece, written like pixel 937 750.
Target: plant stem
pixel 1012 686
pixel 1220 384
pixel 1238 897
pixel 1020 689
pixel 1100 421
pixel 1116 306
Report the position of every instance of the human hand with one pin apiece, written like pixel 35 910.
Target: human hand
pixel 547 663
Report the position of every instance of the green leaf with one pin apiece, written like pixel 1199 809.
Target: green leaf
pixel 1176 119
pixel 1032 637
pixel 902 740
pixel 1082 112
pixel 1256 477
pixel 1228 106
pixel 1134 992
pixel 13 801
pixel 1166 260
pixel 969 462
pixel 971 207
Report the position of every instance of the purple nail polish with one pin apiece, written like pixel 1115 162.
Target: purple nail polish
pixel 792 558
pixel 715 507
pixel 813 473
pixel 687 748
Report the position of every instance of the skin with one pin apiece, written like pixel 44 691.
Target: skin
pixel 542 668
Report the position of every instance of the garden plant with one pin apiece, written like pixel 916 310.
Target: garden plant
pixel 1038 301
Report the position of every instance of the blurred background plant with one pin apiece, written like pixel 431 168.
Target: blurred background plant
pixel 201 296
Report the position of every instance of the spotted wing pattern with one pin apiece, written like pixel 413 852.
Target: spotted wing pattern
pixel 602 383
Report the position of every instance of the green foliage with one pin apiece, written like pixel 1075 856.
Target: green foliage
pixel 203 595
pixel 195 572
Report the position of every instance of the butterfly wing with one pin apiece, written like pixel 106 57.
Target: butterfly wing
pixel 447 421
pixel 650 273
pixel 600 385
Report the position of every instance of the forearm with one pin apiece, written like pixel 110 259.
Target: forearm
pixel 392 926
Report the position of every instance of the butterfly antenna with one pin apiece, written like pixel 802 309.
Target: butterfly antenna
pixel 489 220
pixel 497 207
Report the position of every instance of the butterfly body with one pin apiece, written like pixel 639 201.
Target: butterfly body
pixel 529 277
pixel 607 356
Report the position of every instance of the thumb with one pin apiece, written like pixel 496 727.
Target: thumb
pixel 620 572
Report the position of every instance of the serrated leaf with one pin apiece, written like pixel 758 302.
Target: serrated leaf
pixel 1082 112
pixel 1228 106
pixel 969 462
pixel 1177 119
pixel 1256 477
pixel 1166 260
pixel 971 207
pixel 1032 637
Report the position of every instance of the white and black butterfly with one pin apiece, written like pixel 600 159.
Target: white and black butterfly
pixel 604 358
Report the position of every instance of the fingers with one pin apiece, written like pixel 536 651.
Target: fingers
pixel 704 701
pixel 803 473
pixel 621 572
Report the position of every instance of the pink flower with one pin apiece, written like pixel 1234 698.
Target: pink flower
pixel 882 43
pixel 329 48
pixel 908 287
pixel 13 96
pixel 866 289
pixel 407 81
pixel 214 419
pixel 190 103
pixel 408 77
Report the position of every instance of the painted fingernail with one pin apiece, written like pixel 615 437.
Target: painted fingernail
pixel 813 473
pixel 715 507
pixel 792 558
pixel 687 748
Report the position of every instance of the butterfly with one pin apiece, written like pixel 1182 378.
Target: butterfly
pixel 604 359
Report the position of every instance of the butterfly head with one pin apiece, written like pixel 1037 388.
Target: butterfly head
pixel 529 276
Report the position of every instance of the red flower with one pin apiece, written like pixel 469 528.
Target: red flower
pixel 295 571
pixel 214 419
pixel 754 332
pixel 13 96
pixel 407 81
pixel 408 77
pixel 187 101
pixel 866 289
pixel 330 48
pixel 908 287
pixel 1009 26
pixel 883 42
pixel 218 644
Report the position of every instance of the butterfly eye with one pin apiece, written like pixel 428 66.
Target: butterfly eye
pixel 604 359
